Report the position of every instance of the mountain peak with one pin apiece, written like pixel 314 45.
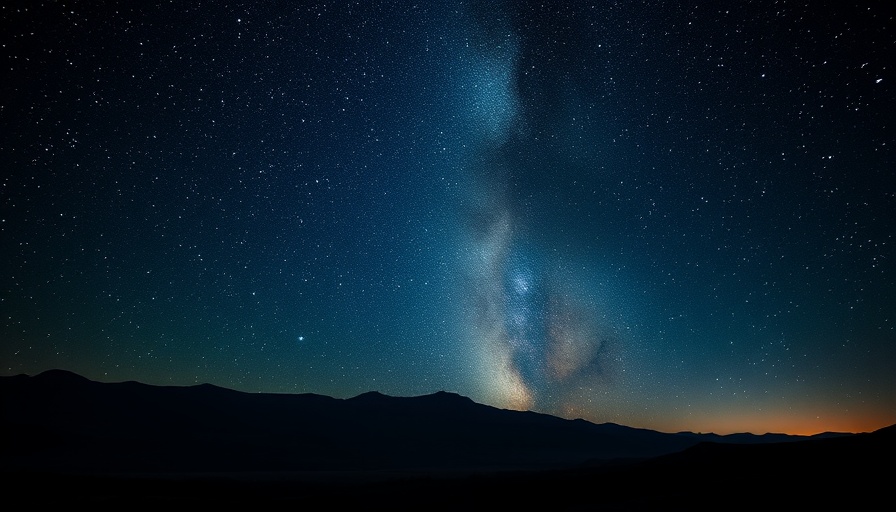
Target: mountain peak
pixel 442 397
pixel 370 396
pixel 59 375
pixel 448 396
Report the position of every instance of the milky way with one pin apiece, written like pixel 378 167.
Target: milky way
pixel 536 337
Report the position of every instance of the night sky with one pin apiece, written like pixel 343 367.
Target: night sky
pixel 676 216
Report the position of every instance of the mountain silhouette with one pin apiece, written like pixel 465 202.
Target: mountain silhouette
pixel 61 428
pixel 62 420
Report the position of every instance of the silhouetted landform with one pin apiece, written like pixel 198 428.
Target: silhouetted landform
pixel 116 441
pixel 61 420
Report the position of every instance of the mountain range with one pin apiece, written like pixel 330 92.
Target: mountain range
pixel 88 439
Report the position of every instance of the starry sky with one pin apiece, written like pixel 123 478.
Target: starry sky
pixel 669 215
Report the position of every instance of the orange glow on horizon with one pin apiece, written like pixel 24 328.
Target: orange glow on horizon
pixel 782 423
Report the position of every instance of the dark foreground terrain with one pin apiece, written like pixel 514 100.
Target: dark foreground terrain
pixel 68 440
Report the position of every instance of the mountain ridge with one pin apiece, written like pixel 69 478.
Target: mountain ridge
pixel 374 395
pixel 66 377
pixel 90 439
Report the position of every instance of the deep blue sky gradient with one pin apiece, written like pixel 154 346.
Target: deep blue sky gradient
pixel 671 216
